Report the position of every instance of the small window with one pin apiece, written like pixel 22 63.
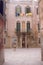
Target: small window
pixel 28 26
pixel 37 11
pixel 18 27
pixel 38 27
pixel 27 9
pixel 18 10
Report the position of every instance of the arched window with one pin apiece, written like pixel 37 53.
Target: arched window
pixel 28 26
pixel 27 9
pixel 18 10
pixel 37 10
pixel 18 26
pixel 38 27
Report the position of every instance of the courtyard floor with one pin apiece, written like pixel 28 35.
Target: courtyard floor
pixel 23 56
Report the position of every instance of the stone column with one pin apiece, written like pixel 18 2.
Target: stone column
pixel 21 42
pixel 26 41
pixel 17 41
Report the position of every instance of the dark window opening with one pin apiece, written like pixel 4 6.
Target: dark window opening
pixel 38 27
pixel 1 7
pixel 18 27
pixel 28 27
pixel 37 11
pixel 27 10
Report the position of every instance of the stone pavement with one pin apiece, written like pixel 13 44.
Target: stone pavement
pixel 30 56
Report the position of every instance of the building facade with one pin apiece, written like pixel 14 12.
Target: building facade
pixel 1 40
pixel 22 24
pixel 41 25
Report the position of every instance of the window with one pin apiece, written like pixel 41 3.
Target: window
pixel 18 27
pixel 27 9
pixel 1 7
pixel 18 10
pixel 28 26
pixel 38 27
pixel 37 11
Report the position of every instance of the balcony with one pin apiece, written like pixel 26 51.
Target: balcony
pixel 22 15
pixel 19 32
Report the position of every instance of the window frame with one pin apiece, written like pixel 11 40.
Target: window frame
pixel 38 27
pixel 18 26
pixel 28 29
pixel 28 10
pixel 16 11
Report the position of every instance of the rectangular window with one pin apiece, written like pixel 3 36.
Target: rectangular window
pixel 18 27
pixel 37 11
pixel 38 27
pixel 18 10
pixel 28 10
pixel 28 27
